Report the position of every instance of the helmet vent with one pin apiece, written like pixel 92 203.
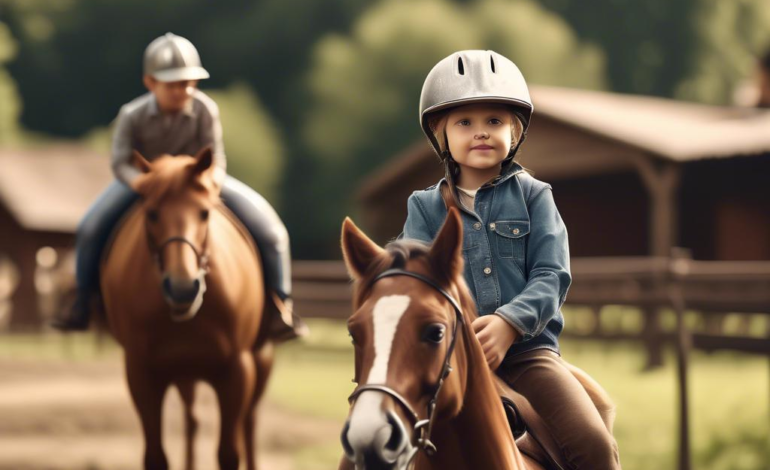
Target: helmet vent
pixel 492 62
pixel 460 67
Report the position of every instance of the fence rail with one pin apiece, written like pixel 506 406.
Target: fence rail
pixel 652 284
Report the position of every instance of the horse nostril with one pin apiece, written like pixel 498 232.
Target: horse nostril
pixel 397 435
pixel 349 452
pixel 181 291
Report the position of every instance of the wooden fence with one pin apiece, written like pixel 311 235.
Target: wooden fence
pixel 653 284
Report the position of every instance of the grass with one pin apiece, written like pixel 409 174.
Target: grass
pixel 729 395
pixel 729 400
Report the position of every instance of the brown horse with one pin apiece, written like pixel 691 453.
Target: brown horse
pixel 411 328
pixel 176 244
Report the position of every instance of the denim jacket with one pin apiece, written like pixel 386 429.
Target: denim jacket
pixel 515 250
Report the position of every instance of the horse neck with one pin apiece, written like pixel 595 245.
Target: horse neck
pixel 480 434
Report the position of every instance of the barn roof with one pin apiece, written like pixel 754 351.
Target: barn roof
pixel 672 129
pixel 50 188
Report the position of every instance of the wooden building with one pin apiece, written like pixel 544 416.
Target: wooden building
pixel 632 175
pixel 44 192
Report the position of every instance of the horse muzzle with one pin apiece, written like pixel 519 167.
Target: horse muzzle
pixel 378 444
pixel 184 296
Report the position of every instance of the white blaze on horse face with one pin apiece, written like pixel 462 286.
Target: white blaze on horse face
pixel 367 417
pixel 387 313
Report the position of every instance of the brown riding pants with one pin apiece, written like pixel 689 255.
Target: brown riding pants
pixel 568 412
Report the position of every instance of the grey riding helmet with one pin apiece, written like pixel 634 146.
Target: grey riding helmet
pixel 172 58
pixel 468 77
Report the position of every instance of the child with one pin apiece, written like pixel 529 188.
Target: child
pixel 176 118
pixel 475 109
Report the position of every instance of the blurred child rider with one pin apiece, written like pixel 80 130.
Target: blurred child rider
pixel 475 109
pixel 176 118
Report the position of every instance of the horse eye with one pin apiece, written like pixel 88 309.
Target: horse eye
pixel 434 333
pixel 152 215
pixel 205 214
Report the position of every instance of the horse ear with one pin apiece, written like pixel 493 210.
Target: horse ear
pixel 358 250
pixel 141 163
pixel 203 160
pixel 446 251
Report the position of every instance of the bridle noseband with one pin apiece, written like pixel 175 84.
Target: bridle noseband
pixel 422 428
pixel 201 255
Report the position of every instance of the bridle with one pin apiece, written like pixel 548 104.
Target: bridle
pixel 422 428
pixel 201 255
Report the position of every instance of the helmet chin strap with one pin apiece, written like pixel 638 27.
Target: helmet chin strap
pixel 508 161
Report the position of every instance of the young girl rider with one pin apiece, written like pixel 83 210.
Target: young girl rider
pixel 475 109
pixel 177 118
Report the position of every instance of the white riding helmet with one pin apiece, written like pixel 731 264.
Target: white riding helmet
pixel 473 76
pixel 172 58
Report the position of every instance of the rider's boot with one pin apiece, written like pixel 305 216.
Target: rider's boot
pixel 284 324
pixel 75 316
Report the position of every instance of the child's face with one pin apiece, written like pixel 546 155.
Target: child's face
pixel 479 135
pixel 172 97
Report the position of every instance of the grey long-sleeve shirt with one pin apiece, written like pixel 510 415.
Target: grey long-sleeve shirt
pixel 140 125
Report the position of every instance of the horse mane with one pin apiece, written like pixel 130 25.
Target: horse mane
pixel 396 255
pixel 173 175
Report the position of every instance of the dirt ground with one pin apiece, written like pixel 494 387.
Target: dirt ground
pixel 79 416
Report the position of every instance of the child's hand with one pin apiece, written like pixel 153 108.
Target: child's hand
pixel 495 336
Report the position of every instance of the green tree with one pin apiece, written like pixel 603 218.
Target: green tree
pixel 253 143
pixel 85 56
pixel 10 105
pixel 731 37
pixel 649 44
pixel 365 86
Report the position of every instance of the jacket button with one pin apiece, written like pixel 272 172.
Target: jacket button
pixel 477 225
pixel 515 231
pixel 487 271
pixel 492 226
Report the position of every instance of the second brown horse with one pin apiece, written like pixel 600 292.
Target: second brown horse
pixel 177 244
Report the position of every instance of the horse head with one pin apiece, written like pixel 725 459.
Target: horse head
pixel 177 195
pixel 405 326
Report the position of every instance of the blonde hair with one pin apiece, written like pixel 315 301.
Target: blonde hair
pixel 437 123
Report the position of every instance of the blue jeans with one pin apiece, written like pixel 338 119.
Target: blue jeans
pixel 252 210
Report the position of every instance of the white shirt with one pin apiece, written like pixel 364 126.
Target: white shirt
pixel 467 197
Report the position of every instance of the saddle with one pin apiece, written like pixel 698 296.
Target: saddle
pixel 529 431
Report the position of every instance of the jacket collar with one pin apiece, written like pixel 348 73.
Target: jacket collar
pixel 512 169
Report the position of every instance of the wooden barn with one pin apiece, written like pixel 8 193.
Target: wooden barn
pixel 632 175
pixel 44 192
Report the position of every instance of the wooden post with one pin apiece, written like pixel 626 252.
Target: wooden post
pixel 652 338
pixel 661 179
pixel 677 271
pixel 25 315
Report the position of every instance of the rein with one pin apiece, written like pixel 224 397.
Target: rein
pixel 422 428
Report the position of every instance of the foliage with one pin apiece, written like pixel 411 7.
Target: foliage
pixel 365 86
pixel 731 38
pixel 86 55
pixel 10 107
pixel 341 78
pixel 649 45
pixel 253 142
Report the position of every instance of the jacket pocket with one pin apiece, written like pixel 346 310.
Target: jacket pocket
pixel 512 240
